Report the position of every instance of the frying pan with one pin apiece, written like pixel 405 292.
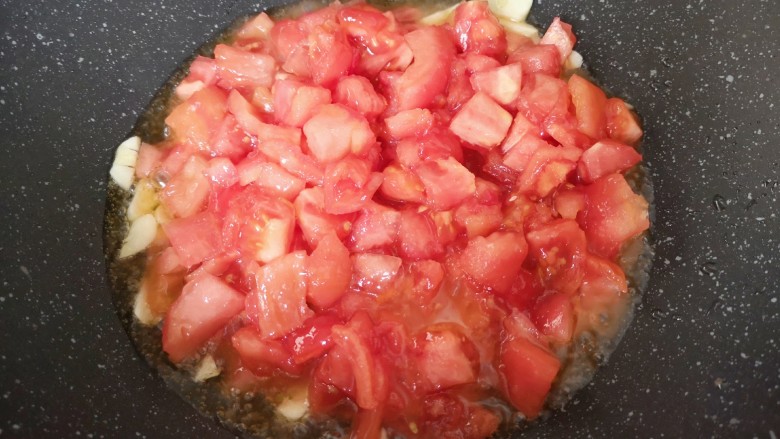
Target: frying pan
pixel 701 358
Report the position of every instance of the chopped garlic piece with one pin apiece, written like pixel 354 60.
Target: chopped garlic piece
pixel 123 169
pixel 295 405
pixel 515 10
pixel 162 215
pixel 521 28
pixel 439 17
pixel 142 311
pixel 207 369
pixel 144 200
pixel 574 61
pixel 141 234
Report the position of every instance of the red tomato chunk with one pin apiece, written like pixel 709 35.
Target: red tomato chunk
pixel 405 219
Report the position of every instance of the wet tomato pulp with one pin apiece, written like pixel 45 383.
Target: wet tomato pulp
pixel 406 219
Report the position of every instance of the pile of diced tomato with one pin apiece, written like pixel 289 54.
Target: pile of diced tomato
pixel 407 218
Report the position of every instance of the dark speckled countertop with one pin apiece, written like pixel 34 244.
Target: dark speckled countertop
pixel 701 359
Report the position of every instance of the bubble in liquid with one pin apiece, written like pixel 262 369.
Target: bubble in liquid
pixel 719 203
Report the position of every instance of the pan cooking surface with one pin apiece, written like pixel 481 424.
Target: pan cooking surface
pixel 700 359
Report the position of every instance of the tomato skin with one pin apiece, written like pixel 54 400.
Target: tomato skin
pixel 205 306
pixel 614 215
pixel 606 157
pixel 481 122
pixel 559 250
pixel 494 261
pixel 589 105
pixel 559 34
pixel 329 270
pixel 277 303
pixel 622 123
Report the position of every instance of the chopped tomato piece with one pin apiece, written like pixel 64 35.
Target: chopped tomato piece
pixel 543 96
pixel 500 83
pixel 375 227
pixel 221 172
pixel 293 160
pixel 447 182
pixel 240 68
pixel 447 358
pixel 559 34
pixel 295 103
pixel 519 155
pixel 409 123
pixel 589 106
pixel 249 119
pixel 261 355
pixel 478 30
pixel 553 314
pixel 541 58
pixel 330 56
pixel 559 249
pixel 527 371
pixel 258 225
pixel 357 93
pixel 614 215
pixel 198 118
pixel 417 238
pixel 604 158
pixel 257 28
pixel 401 184
pixel 494 261
pixel 481 122
pixel 569 202
pixel 622 123
pixel 436 144
pixel 428 74
pixel 272 178
pixel 186 193
pixel 313 339
pixel 481 214
pixel 149 158
pixel 547 169
pixel 374 272
pixel 314 221
pixel 349 185
pixel 277 304
pixel 427 277
pixel 335 131
pixel 603 282
pixel 330 272
pixel 230 140
pixel 205 306
pixel 371 384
